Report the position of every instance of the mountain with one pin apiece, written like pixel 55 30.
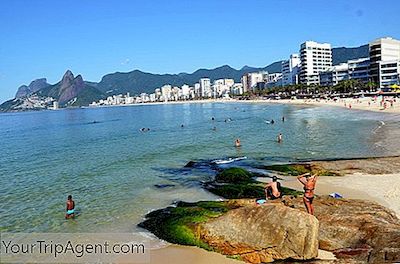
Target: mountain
pixel 342 54
pixel 136 82
pixel 33 87
pixel 77 92
pixel 72 91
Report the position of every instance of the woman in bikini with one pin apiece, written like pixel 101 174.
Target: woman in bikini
pixel 309 185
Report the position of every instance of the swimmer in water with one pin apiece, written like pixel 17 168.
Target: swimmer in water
pixel 279 139
pixel 237 143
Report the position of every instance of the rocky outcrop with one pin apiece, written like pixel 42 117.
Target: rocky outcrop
pixel 356 229
pixel 22 91
pixel 70 87
pixel 260 234
pixel 33 87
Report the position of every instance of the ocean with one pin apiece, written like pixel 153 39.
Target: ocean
pixel 111 168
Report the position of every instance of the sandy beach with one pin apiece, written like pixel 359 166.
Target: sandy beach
pixel 381 188
pixel 365 103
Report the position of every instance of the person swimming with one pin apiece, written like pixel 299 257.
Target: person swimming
pixel 272 121
pixel 273 189
pixel 309 186
pixel 280 138
pixel 70 211
pixel 237 143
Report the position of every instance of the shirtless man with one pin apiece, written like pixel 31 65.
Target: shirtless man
pixel 309 185
pixel 272 189
pixel 70 208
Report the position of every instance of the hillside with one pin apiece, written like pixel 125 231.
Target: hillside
pixel 340 55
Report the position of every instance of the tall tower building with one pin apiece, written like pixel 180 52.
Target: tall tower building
pixel 315 58
pixel 384 56
pixel 205 87
pixel 290 70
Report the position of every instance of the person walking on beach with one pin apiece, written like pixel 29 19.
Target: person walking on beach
pixel 70 208
pixel 237 143
pixel 309 185
pixel 273 189
pixel 279 138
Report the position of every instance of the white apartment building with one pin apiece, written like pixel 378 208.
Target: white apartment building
pixel 237 88
pixel 205 87
pixel 359 69
pixel 315 57
pixel 185 91
pixel 384 56
pixel 334 74
pixel 273 77
pixel 197 89
pixel 290 70
pixel 222 86
pixel 250 80
pixel 166 92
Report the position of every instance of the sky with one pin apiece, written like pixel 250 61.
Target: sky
pixel 44 38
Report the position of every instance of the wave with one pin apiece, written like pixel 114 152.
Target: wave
pixel 378 127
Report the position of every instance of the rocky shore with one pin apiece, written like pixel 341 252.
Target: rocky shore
pixel 353 230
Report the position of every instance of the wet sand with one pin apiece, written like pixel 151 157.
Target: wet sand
pixel 183 255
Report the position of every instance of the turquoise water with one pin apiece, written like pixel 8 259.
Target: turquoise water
pixel 110 167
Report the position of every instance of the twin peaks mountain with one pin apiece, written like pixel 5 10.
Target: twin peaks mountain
pixel 74 91
pixel 71 91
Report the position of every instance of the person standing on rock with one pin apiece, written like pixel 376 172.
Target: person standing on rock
pixel 273 189
pixel 309 185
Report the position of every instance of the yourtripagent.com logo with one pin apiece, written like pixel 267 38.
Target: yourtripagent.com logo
pixel 73 248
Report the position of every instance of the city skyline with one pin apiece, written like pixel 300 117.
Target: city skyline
pixel 173 38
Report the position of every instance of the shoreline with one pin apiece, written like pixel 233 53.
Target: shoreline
pixel 356 104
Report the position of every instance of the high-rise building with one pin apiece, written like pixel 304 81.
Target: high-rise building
pixel 290 70
pixel 384 56
pixel 166 92
pixel 205 87
pixel 315 58
pixel 250 80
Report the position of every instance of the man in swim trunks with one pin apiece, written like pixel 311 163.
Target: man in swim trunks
pixel 70 208
pixel 273 189
pixel 309 185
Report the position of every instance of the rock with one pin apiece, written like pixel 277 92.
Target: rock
pixel 356 229
pixel 70 87
pixel 163 186
pixel 34 86
pixel 263 233
pixel 190 164
pixel 23 91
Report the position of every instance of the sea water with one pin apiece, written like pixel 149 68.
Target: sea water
pixel 100 156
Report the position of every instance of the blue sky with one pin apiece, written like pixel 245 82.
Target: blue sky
pixel 44 38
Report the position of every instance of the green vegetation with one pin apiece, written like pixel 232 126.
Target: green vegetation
pixel 237 183
pixel 298 169
pixel 178 224
pixel 234 175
